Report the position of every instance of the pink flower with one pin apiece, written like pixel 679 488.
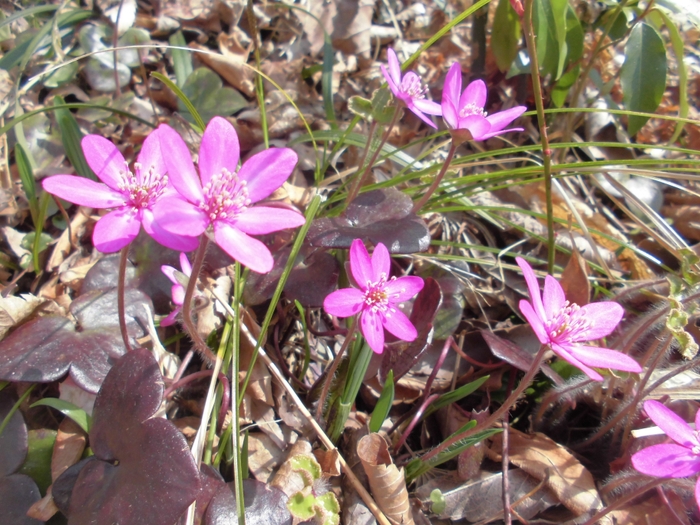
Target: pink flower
pixel 409 90
pixel 465 111
pixel 563 326
pixel 134 195
pixel 671 460
pixel 376 298
pixel 224 196
pixel 178 289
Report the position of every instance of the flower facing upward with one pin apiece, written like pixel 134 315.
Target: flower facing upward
pixel 563 325
pixel 409 90
pixel 224 196
pixel 377 297
pixel 178 289
pixel 465 111
pixel 670 460
pixel 134 195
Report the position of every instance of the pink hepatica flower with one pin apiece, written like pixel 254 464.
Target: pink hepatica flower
pixel 563 326
pixel 224 196
pixel 465 111
pixel 409 90
pixel 178 289
pixel 377 298
pixel 134 195
pixel 670 460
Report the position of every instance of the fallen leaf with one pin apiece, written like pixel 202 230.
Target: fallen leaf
pixel 14 309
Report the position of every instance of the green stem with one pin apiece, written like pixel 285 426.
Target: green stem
pixel 199 344
pixel 334 366
pixel 539 104
pixel 438 179
pixel 121 300
pixel 235 366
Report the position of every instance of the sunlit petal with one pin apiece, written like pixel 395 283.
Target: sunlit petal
pixel 666 461
pixel 398 324
pixel 372 330
pixel 360 264
pixel 115 230
pixel 219 149
pixel 671 423
pixel 344 303
pixel 553 297
pixel 266 171
pixel 403 288
pixel 82 191
pixel 104 159
pixel 260 220
pixel 248 251
pixel 178 160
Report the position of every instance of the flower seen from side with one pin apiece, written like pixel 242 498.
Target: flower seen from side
pixel 134 195
pixel 178 289
pixel 409 90
pixel 464 111
pixel 563 326
pixel 222 196
pixel 376 297
pixel 671 460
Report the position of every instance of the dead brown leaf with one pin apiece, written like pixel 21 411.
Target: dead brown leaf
pixel 574 280
pixel 14 309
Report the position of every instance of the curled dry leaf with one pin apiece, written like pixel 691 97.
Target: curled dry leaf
pixel 385 479
pixel 14 309
pixel 574 280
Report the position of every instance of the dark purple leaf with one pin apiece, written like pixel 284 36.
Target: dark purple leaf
pixel 13 440
pixel 377 216
pixel 45 349
pixel 17 493
pixel 143 472
pixel 401 357
pixel 264 505
pixel 62 488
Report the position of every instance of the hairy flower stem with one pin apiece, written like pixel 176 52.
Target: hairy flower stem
pixel 438 179
pixel 334 366
pixel 620 502
pixel 542 123
pixel 361 180
pixel 496 416
pixel 199 344
pixel 121 300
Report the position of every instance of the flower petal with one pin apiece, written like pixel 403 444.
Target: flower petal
pixel 403 288
pixel 170 320
pixel 666 461
pixel 178 216
pixel 344 303
pixel 371 327
pixel 535 323
pixel 394 66
pixel 170 240
pixel 501 119
pixel 475 94
pixel 603 358
pixel 390 81
pixel 185 264
pixel 219 149
pixel 428 106
pixel 671 423
pixel 602 319
pixel 178 161
pixel 553 297
pixel 565 355
pixel 260 220
pixel 178 293
pixel 381 263
pixel 266 171
pixel 150 157
pixel 115 230
pixel 84 192
pixel 450 95
pixel 104 159
pixel 398 324
pixel 418 113
pixel 244 249
pixel 533 287
pixel 477 125
pixel 500 132
pixel 360 264
pixel 169 272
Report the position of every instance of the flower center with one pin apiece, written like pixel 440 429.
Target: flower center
pixel 471 109
pixel 225 196
pixel 695 449
pixel 143 189
pixel 411 85
pixel 567 323
pixel 377 298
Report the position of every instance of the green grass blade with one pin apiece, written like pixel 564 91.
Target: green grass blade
pixel 383 406
pixel 26 176
pixel 186 101
pixel 71 137
pixel 28 11
pixel 182 60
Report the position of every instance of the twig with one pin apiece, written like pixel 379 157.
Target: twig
pixel 199 344
pixel 334 367
pixel 121 291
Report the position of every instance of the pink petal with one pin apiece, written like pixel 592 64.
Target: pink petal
pixel 533 287
pixel 666 461
pixel 403 288
pixel 501 119
pixel 603 358
pixel 169 272
pixel 178 293
pixel 535 323
pixel 260 220
pixel 398 324
pixel 344 303
pixel 428 106
pixel 170 320
pixel 178 216
pixel 390 81
pixel 115 230
pixel 219 149
pixel 553 297
pixel 564 354
pixel 360 264
pixel 697 492
pixel 603 318
pixel 671 423
pixel 394 66
pixel 246 250
pixel 150 156
pixel 84 192
pixel 371 328
pixel 500 132
pixel 381 263
pixel 475 94
pixel 175 242
pixel 450 95
pixel 266 171
pixel 185 264
pixel 178 160
pixel 418 113
pixel 477 125
pixel 104 159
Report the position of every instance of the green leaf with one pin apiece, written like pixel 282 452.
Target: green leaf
pixel 67 409
pixel 505 35
pixel 381 112
pixel 574 44
pixel 438 500
pixel 302 506
pixel 360 106
pixel 26 175
pixel 38 463
pixel 643 75
pixel 183 98
pixel 205 90
pixel 71 137
pixel 327 509
pixel 386 399
pixel 182 60
pixel 549 21
pixel 454 396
